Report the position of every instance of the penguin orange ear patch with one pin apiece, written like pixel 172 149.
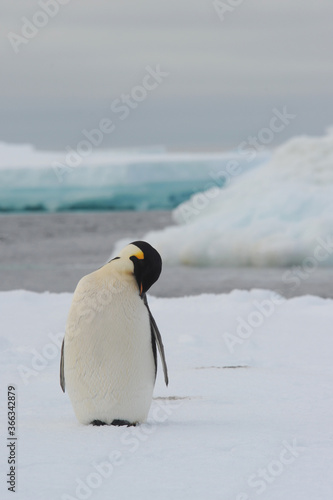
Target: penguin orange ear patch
pixel 139 255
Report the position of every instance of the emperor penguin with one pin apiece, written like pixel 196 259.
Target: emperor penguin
pixel 108 356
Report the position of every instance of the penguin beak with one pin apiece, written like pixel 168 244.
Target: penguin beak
pixel 138 258
pixel 139 255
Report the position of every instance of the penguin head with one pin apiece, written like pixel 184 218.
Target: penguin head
pixel 147 263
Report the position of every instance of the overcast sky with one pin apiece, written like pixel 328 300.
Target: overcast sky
pixel 225 76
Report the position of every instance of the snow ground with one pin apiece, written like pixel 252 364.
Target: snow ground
pixel 247 415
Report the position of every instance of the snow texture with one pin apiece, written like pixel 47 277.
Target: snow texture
pixel 107 179
pixel 274 215
pixel 248 412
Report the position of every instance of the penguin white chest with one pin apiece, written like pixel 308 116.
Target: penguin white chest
pixel 108 354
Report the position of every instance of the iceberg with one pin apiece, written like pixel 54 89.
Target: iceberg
pixel 108 179
pixel 278 214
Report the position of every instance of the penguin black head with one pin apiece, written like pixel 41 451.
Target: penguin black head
pixel 147 265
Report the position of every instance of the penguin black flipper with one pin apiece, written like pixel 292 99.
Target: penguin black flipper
pixel 158 339
pixel 62 370
pixel 153 346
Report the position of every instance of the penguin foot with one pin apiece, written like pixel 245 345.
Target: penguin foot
pixel 97 422
pixel 122 422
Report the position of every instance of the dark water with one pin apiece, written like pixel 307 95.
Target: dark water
pixel 53 251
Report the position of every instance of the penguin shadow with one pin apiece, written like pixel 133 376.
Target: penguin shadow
pixel 232 367
pixel 172 398
pixel 126 423
pixel 116 422
pixel 166 399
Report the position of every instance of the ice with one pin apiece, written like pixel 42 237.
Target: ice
pixel 106 179
pixel 248 409
pixel 279 214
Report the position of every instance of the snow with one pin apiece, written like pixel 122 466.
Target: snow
pixel 273 215
pixel 248 412
pixel 106 179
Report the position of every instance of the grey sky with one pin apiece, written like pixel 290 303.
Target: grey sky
pixel 225 77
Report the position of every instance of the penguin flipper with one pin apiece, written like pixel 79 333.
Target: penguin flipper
pixel 62 370
pixel 158 339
